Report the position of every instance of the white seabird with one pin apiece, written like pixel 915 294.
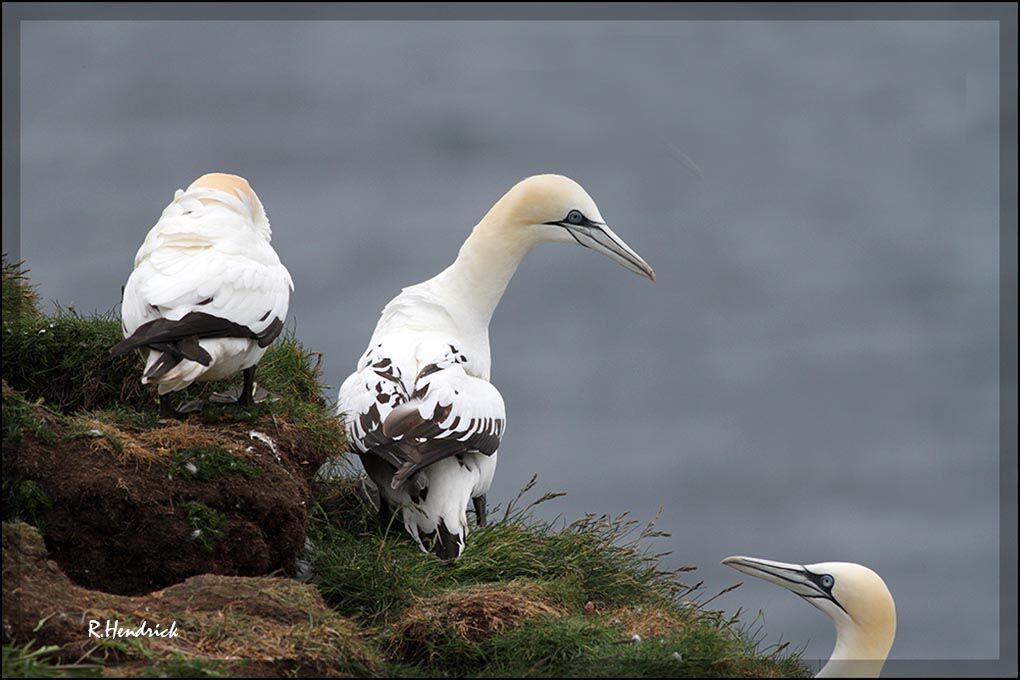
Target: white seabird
pixel 420 409
pixel 208 293
pixel 855 598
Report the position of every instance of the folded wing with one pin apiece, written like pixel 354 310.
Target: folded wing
pixel 443 412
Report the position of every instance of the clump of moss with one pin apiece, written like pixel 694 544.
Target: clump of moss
pixel 205 463
pixel 206 523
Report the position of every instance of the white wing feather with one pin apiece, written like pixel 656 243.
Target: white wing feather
pixel 204 257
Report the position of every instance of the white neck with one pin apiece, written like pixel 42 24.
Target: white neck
pixel 473 285
pixel 858 653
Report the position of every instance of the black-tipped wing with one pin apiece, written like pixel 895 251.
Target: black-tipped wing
pixel 179 338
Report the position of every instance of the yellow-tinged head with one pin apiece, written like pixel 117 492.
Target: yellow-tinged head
pixel 221 181
pixel 556 209
pixel 855 598
pixel 237 187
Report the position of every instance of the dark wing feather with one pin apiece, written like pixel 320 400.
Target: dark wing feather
pixel 451 413
pixel 185 333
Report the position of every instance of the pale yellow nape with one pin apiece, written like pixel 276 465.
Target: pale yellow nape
pixel 231 184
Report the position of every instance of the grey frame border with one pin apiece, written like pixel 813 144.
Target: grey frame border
pixel 1004 13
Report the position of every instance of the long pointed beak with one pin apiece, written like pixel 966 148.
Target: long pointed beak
pixel 793 577
pixel 601 238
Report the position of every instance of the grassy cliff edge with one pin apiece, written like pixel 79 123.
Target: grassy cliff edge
pixel 528 598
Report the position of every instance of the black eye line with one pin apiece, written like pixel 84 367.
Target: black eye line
pixel 585 222
pixel 826 592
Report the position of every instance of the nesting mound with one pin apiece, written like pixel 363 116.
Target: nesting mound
pixel 254 626
pixel 129 509
pixel 469 615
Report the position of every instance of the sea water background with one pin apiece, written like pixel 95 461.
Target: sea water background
pixel 814 375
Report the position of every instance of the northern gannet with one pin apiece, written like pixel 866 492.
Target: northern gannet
pixel 208 293
pixel 420 409
pixel 855 598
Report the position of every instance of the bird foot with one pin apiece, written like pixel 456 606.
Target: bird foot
pixel 233 396
pixel 189 407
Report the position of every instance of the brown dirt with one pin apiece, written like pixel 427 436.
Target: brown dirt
pixel 256 626
pixel 119 523
pixel 473 614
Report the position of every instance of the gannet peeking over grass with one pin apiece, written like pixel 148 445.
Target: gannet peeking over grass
pixel 855 598
pixel 208 293
pixel 420 410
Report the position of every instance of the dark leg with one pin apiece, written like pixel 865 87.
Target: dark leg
pixel 479 504
pixel 385 513
pixel 247 391
pixel 166 409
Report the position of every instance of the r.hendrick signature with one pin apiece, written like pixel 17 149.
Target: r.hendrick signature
pixel 113 629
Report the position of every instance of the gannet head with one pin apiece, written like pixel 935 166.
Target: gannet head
pixel 855 598
pixel 556 209
pixel 235 187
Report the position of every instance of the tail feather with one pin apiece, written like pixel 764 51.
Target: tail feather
pixel 162 365
pixel 444 543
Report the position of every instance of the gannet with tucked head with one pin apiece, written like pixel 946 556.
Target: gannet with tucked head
pixel 855 598
pixel 208 293
pixel 420 410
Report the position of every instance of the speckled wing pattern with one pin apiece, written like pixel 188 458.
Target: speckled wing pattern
pixel 443 412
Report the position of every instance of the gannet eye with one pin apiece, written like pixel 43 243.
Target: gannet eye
pixel 575 217
pixel 827 581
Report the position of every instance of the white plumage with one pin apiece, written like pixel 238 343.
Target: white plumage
pixel 205 276
pixel 420 409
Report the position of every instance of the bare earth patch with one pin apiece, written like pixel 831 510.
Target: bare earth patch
pixel 251 626
pixel 131 509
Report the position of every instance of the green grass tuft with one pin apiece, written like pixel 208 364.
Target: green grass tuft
pixel 65 360
pixel 20 300
pixel 371 575
pixel 205 463
pixel 30 661
pixel 19 416
pixel 183 667
pixel 206 523
pixel 25 501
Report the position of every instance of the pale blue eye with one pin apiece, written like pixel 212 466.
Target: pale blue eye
pixel 827 581
pixel 575 217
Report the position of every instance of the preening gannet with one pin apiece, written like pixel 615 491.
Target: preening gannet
pixel 208 293
pixel 420 409
pixel 855 598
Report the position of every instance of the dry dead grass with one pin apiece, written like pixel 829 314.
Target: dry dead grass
pixel 648 621
pixel 159 443
pixel 471 614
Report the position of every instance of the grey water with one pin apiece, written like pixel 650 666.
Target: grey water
pixel 813 377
